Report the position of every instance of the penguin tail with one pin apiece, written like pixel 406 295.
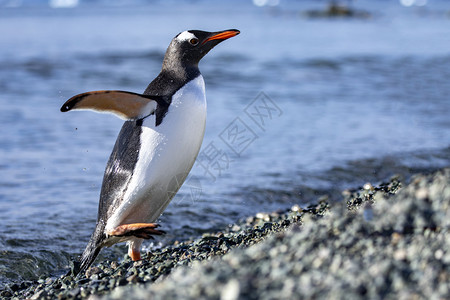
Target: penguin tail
pixel 89 255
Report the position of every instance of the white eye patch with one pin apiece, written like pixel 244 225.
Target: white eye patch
pixel 185 36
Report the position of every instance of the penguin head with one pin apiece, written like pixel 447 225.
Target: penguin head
pixel 189 47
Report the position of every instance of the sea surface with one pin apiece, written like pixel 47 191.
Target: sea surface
pixel 298 108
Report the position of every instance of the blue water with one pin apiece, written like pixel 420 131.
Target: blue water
pixel 323 104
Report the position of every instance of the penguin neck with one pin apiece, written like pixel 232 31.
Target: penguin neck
pixel 182 74
pixel 179 70
pixel 171 78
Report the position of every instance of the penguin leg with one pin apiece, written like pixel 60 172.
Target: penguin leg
pixel 134 249
pixel 134 254
pixel 139 230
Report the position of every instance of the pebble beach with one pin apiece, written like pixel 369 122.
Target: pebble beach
pixel 386 241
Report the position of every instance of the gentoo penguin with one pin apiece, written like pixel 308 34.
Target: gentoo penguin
pixel 156 147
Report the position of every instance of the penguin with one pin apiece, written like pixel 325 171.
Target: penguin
pixel 156 147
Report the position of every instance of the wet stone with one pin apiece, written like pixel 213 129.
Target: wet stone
pixel 5 294
pixel 121 282
pixel 75 292
pixel 133 278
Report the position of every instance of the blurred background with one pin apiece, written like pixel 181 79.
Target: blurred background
pixel 313 97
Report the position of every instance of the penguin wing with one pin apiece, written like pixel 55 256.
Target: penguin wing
pixel 125 105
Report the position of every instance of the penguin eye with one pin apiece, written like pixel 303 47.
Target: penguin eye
pixel 193 41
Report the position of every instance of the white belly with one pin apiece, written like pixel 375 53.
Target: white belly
pixel 166 156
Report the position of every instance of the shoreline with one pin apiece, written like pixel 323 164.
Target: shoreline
pixel 389 240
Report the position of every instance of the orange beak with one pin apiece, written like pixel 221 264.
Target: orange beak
pixel 222 35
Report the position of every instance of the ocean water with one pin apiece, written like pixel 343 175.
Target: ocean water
pixel 297 108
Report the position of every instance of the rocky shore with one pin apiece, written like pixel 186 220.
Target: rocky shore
pixel 387 241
